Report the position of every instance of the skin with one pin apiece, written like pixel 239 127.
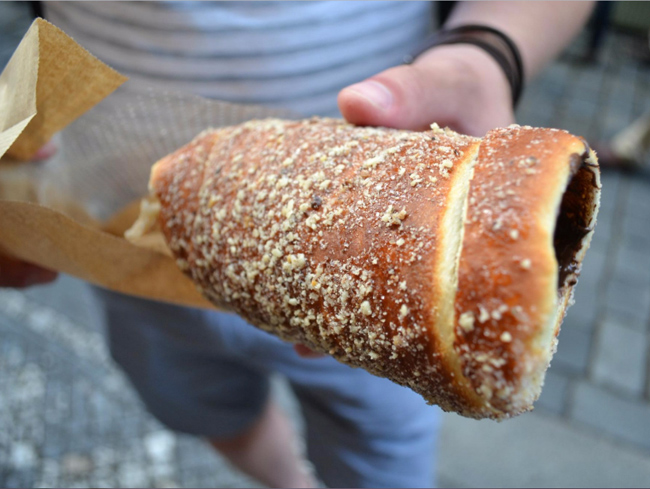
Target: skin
pixel 17 273
pixel 461 86
pixel 458 86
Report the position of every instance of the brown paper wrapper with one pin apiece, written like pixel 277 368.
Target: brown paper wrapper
pixel 58 80
pixel 69 213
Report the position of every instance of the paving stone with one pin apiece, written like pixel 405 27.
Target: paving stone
pixel 628 420
pixel 535 450
pixel 626 272
pixel 76 465
pixel 636 231
pixel 627 318
pixel 580 317
pixel 617 118
pixel 606 222
pixel 55 410
pixel 588 84
pixel 632 265
pixel 553 82
pixel 620 358
pixel 23 455
pixel 582 106
pixel 583 313
pixel 593 267
pixel 21 478
pixel 602 238
pixel 85 310
pixel 647 378
pixel 49 475
pixel 575 124
pixel 638 204
pixel 607 231
pixel 533 112
pixel 554 393
pixel 442 481
pixel 132 474
pixel 622 90
pixel 628 304
pixel 611 183
pixel 572 354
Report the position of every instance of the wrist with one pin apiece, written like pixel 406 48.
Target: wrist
pixel 492 41
pixel 467 61
pixel 476 78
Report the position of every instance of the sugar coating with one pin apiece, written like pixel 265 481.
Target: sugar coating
pixel 497 356
pixel 321 233
pixel 327 234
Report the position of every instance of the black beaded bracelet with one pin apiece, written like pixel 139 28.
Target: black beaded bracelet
pixel 492 41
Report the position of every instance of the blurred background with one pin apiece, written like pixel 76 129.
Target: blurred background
pixel 69 418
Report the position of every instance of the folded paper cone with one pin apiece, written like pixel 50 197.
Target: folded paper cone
pixel 442 262
pixel 49 82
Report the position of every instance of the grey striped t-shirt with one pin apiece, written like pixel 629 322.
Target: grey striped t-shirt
pixel 296 55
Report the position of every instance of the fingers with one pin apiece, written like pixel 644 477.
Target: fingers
pixel 16 273
pixel 306 352
pixel 47 151
pixel 394 98
pixel 457 86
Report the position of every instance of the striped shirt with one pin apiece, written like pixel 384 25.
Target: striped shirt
pixel 296 55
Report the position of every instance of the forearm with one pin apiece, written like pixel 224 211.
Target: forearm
pixel 541 30
pixel 462 86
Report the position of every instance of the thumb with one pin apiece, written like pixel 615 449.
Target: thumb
pixel 457 86
pixel 394 98
pixel 306 352
pixel 45 152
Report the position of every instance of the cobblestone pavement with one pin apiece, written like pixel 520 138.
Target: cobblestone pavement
pixel 69 418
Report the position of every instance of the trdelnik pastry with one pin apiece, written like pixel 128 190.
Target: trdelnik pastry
pixel 440 261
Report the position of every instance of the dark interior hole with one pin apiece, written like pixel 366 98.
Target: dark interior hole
pixel 573 220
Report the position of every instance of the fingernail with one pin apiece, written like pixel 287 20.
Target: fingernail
pixel 374 92
pixel 37 275
pixel 47 151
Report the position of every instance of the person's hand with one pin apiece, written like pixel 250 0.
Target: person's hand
pixel 306 352
pixel 459 86
pixel 17 273
pixel 46 152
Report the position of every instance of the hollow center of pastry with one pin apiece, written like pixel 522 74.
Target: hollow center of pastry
pixel 574 221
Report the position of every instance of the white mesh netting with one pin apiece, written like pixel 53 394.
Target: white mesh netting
pixel 104 157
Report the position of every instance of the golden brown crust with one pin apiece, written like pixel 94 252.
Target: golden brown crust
pixel 508 272
pixel 347 239
pixel 175 182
